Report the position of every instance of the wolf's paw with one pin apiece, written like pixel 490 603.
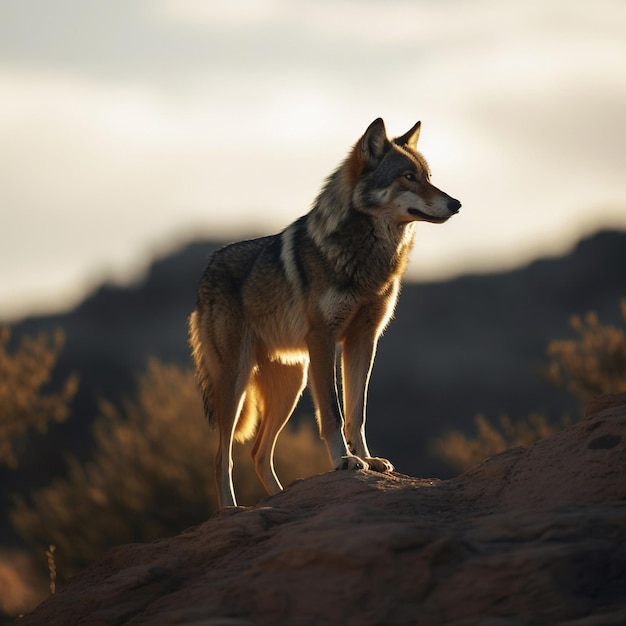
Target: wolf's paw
pixel 351 462
pixel 377 464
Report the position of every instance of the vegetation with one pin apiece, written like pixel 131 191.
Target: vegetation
pixel 24 407
pixel 592 363
pixel 462 452
pixel 150 475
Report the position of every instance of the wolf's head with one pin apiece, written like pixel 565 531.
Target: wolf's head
pixel 390 176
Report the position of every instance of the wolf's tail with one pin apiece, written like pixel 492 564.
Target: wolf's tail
pixel 249 413
pixel 202 371
pixel 249 416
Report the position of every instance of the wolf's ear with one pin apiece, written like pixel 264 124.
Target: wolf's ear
pixel 373 144
pixel 410 139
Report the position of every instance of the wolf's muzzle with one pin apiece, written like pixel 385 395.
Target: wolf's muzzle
pixel 453 205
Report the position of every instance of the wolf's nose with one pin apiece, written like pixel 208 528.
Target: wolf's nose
pixel 453 205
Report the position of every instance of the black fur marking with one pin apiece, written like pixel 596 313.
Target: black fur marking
pixel 298 242
pixel 257 246
pixel 274 249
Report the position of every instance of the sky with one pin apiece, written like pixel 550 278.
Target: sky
pixel 130 127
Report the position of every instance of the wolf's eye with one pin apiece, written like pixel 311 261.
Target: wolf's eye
pixel 411 177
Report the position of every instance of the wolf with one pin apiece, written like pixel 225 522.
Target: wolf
pixel 273 311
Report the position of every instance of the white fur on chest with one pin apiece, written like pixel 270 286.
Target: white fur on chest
pixel 336 305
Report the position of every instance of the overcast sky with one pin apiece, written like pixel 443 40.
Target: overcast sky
pixel 129 127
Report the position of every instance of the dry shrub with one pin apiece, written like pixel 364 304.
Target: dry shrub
pixel 591 364
pixel 462 452
pixel 23 405
pixel 151 474
pixel 21 587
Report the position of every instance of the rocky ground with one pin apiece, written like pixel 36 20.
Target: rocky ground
pixel 534 535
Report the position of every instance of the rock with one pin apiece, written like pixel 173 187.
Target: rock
pixel 533 535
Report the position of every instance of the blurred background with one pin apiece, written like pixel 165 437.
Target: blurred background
pixel 136 137
pixel 129 127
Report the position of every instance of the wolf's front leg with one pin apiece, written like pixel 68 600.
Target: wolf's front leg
pixel 323 376
pixel 359 348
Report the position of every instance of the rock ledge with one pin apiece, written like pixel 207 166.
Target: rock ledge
pixel 534 535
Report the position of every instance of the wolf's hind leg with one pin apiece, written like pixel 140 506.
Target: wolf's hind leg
pixel 278 388
pixel 229 397
pixel 226 411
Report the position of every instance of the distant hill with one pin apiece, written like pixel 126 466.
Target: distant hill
pixel 456 348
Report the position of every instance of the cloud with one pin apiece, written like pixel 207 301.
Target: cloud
pixel 230 13
pixel 124 124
